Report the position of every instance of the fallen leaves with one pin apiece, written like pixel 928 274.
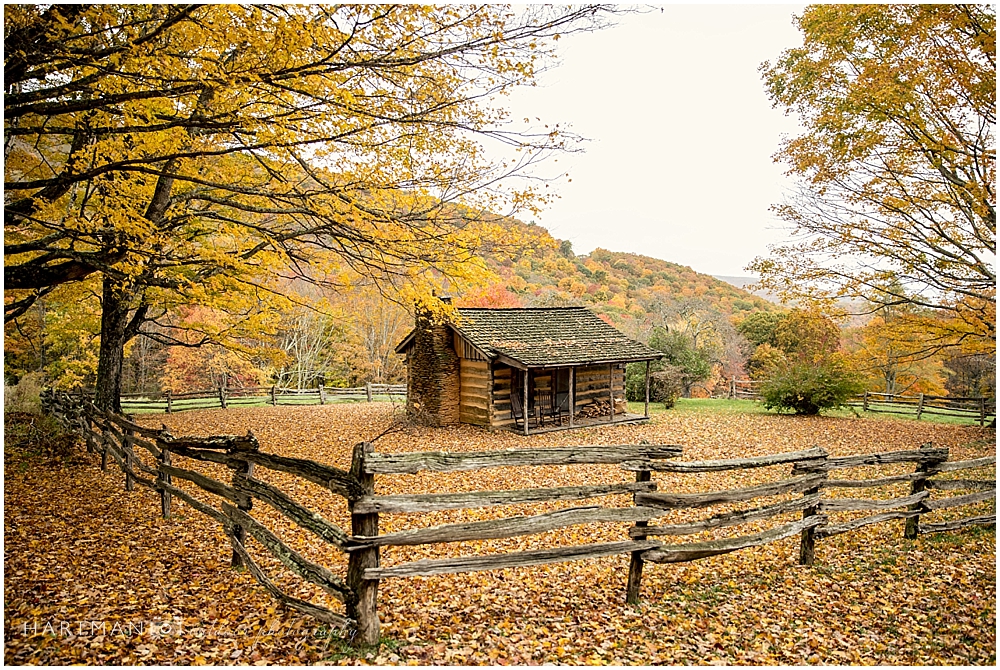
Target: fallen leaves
pixel 80 550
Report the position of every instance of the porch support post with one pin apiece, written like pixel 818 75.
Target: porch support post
pixel 647 389
pixel 611 389
pixel 572 395
pixel 525 410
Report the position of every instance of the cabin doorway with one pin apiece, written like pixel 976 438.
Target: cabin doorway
pixel 560 382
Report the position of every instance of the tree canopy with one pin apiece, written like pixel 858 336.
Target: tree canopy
pixel 204 154
pixel 897 167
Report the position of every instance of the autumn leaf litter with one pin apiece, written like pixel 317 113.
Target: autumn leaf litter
pixel 94 575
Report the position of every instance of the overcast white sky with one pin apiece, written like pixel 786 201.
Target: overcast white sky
pixel 681 133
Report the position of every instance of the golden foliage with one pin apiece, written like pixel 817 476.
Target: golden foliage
pixel 897 167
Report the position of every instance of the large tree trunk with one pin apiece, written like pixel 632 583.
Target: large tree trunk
pixel 117 296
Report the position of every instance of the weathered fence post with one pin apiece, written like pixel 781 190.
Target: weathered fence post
pixel 646 407
pixel 982 412
pixel 920 406
pixel 807 546
pixel 322 395
pixel 129 459
pixel 165 497
pixel 635 563
pixel 88 432
pixel 105 436
pixel 222 397
pixel 364 608
pixel 926 467
pixel 864 405
pixel 170 404
pixel 245 469
pixel 274 394
pixel 368 391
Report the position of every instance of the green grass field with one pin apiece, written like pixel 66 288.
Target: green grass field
pixel 726 406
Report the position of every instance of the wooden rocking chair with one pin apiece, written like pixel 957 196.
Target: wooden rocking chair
pixel 547 409
pixel 517 410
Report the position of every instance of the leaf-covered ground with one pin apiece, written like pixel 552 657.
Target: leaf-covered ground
pixel 94 575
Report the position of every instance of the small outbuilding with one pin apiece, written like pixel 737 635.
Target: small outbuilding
pixel 522 369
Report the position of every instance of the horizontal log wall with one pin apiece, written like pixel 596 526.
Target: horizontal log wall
pixel 592 384
pixel 500 409
pixel 474 394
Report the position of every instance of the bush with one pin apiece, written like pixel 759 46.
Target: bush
pixel 25 396
pixel 28 434
pixel 635 380
pixel 666 383
pixel 808 388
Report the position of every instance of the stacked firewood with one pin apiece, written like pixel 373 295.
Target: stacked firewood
pixel 598 408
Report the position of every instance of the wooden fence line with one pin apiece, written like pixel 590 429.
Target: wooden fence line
pixel 226 397
pixel 743 389
pixel 117 438
pixel 977 408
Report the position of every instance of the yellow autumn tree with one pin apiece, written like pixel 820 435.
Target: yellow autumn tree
pixel 896 170
pixel 205 154
pixel 879 352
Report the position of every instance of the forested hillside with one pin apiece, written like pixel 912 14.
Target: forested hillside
pixel 346 336
pixel 629 288
pixel 350 339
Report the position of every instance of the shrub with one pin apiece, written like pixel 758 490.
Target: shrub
pixel 807 388
pixel 667 385
pixel 25 396
pixel 635 380
pixel 27 434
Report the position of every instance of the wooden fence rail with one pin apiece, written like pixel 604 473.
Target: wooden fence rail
pixel 808 478
pixel 743 389
pixel 117 438
pixel 977 409
pixel 800 492
pixel 245 396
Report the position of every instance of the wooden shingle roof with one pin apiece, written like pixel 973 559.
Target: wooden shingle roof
pixel 546 336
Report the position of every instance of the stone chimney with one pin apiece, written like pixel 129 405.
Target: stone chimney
pixel 432 385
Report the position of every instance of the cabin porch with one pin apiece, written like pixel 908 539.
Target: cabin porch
pixel 538 399
pixel 579 422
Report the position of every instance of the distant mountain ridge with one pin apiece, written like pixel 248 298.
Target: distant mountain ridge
pixel 743 282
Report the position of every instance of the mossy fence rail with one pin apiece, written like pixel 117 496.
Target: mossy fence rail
pixel 144 455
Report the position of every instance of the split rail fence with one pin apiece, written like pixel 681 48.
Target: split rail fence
pixel 801 494
pixel 225 398
pixel 977 409
pixel 744 389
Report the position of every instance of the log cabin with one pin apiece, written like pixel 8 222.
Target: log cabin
pixel 521 369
